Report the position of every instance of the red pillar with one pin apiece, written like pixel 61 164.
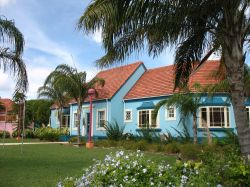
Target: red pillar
pixel 90 120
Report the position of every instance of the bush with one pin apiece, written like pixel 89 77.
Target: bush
pixel 149 134
pixel 29 133
pixel 173 148
pixel 74 140
pixel 4 133
pixel 132 169
pixel 114 131
pixel 50 134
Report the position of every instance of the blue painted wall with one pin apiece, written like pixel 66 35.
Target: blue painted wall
pixel 169 125
pixel 117 104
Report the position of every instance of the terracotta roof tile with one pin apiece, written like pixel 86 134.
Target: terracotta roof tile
pixel 160 81
pixel 8 103
pixel 114 79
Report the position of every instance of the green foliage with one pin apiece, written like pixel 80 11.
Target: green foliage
pixel 50 134
pixel 74 140
pixel 149 134
pixel 28 133
pixel 5 134
pixel 37 111
pixel 114 131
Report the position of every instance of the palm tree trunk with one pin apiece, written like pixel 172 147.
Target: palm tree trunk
pixel 79 111
pixel 195 128
pixel 61 117
pixel 233 57
pixel 209 137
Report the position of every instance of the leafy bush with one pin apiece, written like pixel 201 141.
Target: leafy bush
pixel 4 133
pixel 50 134
pixel 149 134
pixel 114 131
pixel 74 139
pixel 29 133
pixel 132 169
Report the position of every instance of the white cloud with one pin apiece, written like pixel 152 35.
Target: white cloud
pixel 97 36
pixel 7 85
pixel 4 3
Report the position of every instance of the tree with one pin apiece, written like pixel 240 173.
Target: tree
pixel 197 28
pixel 75 85
pixel 11 49
pixel 188 104
pixel 37 112
pixel 55 93
pixel 19 99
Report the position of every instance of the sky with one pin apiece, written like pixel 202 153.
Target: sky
pixel 51 38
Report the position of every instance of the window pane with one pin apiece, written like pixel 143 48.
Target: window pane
pixel 101 118
pixel 217 117
pixel 143 118
pixel 128 115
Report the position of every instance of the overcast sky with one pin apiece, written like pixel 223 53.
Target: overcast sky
pixel 51 38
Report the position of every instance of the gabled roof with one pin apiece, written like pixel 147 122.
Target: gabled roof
pixel 114 78
pixel 8 104
pixel 160 81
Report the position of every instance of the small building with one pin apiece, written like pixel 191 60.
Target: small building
pixel 131 92
pixel 8 119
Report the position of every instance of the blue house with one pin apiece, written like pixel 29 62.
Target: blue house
pixel 131 92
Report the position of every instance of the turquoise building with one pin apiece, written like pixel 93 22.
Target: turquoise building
pixel 131 92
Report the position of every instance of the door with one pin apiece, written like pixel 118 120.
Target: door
pixel 87 122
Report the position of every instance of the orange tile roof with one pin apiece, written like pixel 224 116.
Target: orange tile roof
pixel 8 103
pixel 160 81
pixel 114 79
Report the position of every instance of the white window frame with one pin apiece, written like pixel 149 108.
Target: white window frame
pixel 167 113
pixel 97 118
pixel 248 108
pixel 208 117
pixel 74 127
pixel 150 113
pixel 131 117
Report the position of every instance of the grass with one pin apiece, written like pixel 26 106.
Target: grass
pixel 45 165
pixel 14 140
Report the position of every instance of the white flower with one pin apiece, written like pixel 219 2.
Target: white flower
pixel 219 185
pixel 133 180
pixel 144 170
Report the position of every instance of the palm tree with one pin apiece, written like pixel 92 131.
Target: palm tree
pixel 75 85
pixel 188 104
pixel 55 93
pixel 196 28
pixel 11 49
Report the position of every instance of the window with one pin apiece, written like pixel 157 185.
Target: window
pixel 248 117
pixel 101 118
pixel 214 117
pixel 170 113
pixel 145 119
pixel 75 121
pixel 65 121
pixel 128 116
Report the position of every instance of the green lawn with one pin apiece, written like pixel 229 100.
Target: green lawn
pixel 14 140
pixel 45 165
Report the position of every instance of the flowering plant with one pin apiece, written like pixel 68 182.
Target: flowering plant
pixel 132 169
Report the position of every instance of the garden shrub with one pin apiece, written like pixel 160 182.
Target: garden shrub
pixel 173 148
pixel 190 151
pixel 132 169
pixel 149 134
pixel 74 140
pixel 114 131
pixel 4 133
pixel 48 133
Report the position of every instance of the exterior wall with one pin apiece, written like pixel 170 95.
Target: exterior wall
pixel 97 105
pixel 169 125
pixel 54 123
pixel 117 104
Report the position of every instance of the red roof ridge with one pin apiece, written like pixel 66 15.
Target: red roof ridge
pixel 118 67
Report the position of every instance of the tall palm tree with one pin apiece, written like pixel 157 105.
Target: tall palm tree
pixel 75 85
pixel 196 28
pixel 11 49
pixel 55 93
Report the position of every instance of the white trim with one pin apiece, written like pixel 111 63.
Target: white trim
pixel 225 108
pixel 97 120
pixel 248 107
pixel 131 119
pixel 150 122
pixel 167 113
